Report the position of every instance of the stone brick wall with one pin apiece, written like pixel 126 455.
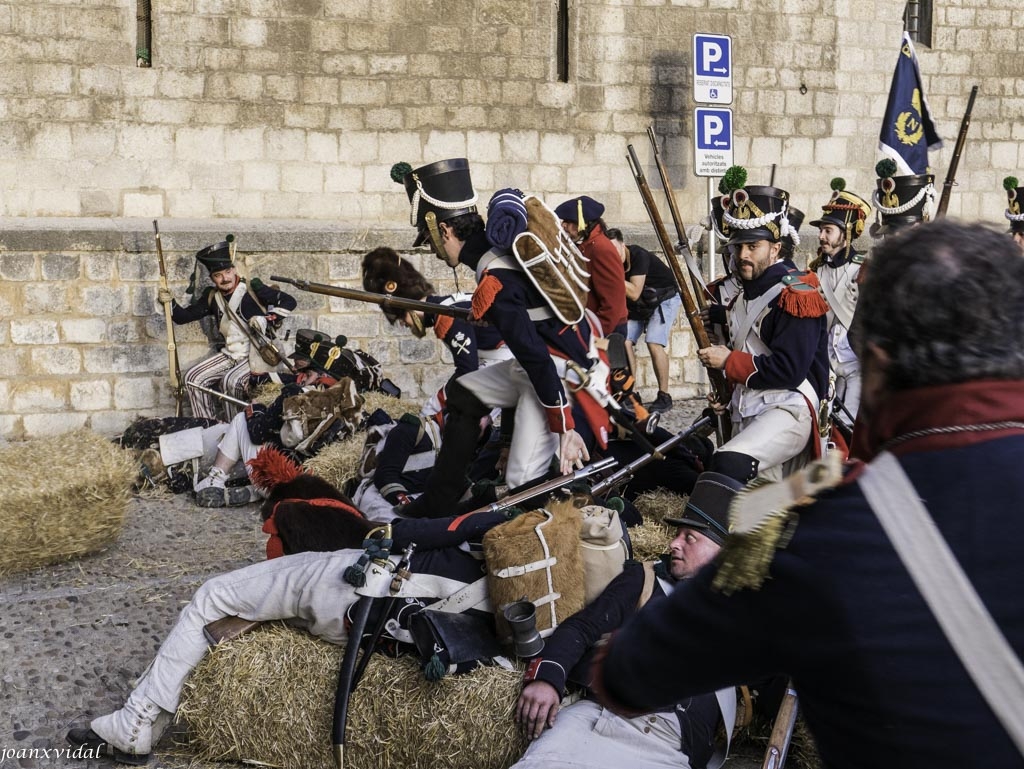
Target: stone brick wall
pixel 298 109
pixel 83 340
pixel 281 120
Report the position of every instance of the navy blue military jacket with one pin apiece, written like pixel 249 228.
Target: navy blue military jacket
pixel 272 299
pixel 463 339
pixel 795 331
pixel 504 298
pixel 568 653
pixel 395 474
pixel 879 684
pixel 438 540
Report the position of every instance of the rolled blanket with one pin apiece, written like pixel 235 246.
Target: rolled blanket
pixel 506 217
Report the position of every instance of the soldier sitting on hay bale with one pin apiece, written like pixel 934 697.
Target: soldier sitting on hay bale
pixel 306 588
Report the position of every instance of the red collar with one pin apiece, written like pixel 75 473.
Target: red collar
pixel 983 403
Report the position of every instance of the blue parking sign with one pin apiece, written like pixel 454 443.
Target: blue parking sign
pixel 712 69
pixel 712 141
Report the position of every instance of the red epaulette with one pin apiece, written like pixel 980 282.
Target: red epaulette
pixel 800 297
pixel 442 325
pixel 484 296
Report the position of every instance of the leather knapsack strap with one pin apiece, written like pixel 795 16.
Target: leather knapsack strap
pixel 979 643
pixel 753 311
pixel 842 314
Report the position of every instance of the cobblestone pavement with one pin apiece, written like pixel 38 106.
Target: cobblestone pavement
pixel 73 636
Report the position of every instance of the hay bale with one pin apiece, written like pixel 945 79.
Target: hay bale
pixel 339 461
pixel 394 406
pixel 659 504
pixel 61 497
pixel 651 539
pixel 266 393
pixel 268 697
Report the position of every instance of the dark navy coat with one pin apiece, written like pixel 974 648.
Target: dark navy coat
pixel 878 682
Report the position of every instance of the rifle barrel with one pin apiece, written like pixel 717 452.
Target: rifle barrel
pixel 546 486
pixel 716 377
pixel 385 301
pixel 627 472
pixel 682 242
pixel 173 365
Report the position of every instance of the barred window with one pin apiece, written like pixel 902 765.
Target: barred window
pixel 917 21
pixel 562 45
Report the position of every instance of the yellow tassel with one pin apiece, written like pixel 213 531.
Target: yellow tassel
pixel 580 221
pixel 745 558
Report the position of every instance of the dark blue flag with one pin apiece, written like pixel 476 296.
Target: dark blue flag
pixel 907 129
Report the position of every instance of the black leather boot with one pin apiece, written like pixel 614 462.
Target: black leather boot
pixel 448 481
pixel 742 467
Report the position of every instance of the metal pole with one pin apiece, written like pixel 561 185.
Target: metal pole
pixel 711 233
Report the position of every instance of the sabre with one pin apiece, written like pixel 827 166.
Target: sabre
pixel 217 394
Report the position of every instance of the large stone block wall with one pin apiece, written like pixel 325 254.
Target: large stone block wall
pixel 280 121
pixel 298 109
pixel 83 340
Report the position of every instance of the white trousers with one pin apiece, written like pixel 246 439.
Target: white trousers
pixel 506 384
pixel 777 438
pixel 588 736
pixel 307 589
pixel 848 389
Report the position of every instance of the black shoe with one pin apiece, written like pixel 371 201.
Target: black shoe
pixel 98 747
pixel 661 404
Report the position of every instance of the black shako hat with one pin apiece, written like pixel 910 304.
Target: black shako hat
pixel 216 257
pixel 1014 198
pixel 320 352
pixel 440 190
pixel 845 210
pixel 707 509
pixel 757 212
pixel 901 201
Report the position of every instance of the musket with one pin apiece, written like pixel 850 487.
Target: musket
pixel 625 474
pixel 958 148
pixel 544 488
pixel 782 731
pixel 385 301
pixel 217 394
pixel 700 333
pixel 172 348
pixel 682 247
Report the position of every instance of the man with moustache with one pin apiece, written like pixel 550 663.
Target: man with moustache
pixel 838 269
pixel 776 360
